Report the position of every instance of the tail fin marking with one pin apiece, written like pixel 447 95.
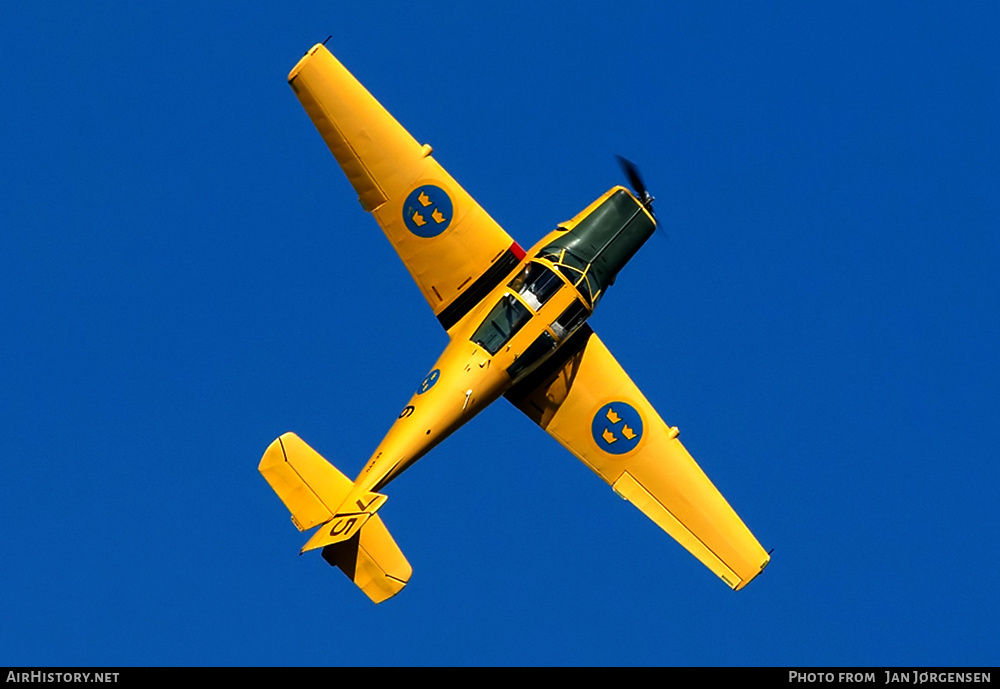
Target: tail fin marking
pixel 348 521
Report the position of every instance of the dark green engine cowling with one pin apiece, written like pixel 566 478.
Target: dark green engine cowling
pixel 592 253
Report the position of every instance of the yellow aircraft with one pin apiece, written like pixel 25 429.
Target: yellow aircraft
pixel 516 322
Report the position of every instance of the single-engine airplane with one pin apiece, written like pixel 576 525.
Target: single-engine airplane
pixel 517 327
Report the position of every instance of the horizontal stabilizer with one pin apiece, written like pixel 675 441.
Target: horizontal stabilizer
pixel 372 560
pixel 311 488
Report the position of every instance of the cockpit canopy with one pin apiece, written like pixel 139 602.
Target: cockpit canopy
pixel 504 320
pixel 588 256
pixel 533 286
pixel 535 283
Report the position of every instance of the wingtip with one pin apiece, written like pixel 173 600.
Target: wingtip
pixel 763 566
pixel 305 58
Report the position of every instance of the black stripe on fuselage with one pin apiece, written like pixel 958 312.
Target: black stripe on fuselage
pixel 525 387
pixel 479 289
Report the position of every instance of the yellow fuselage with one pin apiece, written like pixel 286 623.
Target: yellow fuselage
pixel 464 380
pixel 468 377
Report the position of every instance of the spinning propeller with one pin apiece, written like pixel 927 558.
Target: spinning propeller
pixel 635 181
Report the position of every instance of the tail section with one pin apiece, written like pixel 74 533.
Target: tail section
pixel 353 537
pixel 352 515
pixel 311 488
pixel 372 560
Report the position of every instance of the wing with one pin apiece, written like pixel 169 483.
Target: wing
pixel 454 250
pixel 586 401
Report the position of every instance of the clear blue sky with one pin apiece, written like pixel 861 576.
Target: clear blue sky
pixel 187 274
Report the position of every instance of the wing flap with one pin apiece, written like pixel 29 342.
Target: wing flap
pixel 588 403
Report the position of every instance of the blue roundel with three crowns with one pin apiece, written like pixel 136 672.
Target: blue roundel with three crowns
pixel 427 211
pixel 429 381
pixel 617 428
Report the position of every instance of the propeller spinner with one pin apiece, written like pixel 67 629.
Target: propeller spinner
pixel 635 181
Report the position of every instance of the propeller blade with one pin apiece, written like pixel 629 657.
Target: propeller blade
pixel 634 178
pixel 635 181
pixel 631 171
